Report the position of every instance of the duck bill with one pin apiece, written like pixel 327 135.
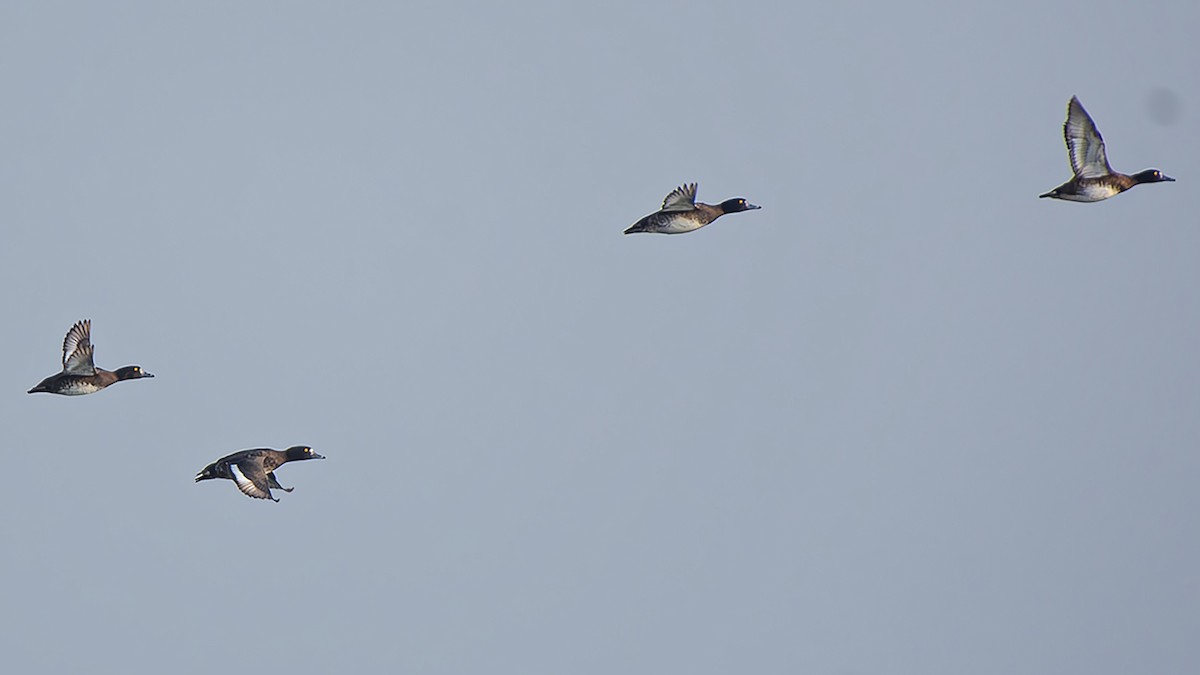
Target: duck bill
pixel 751 207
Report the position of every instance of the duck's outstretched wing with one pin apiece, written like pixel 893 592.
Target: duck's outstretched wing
pixel 682 198
pixel 77 349
pixel 251 479
pixel 1085 146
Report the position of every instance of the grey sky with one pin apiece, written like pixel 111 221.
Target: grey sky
pixel 906 419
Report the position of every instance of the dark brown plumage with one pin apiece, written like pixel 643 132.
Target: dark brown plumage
pixel 253 471
pixel 1094 179
pixel 681 213
pixel 80 375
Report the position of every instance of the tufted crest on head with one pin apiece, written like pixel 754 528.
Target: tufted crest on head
pixel 132 373
pixel 737 204
pixel 1152 176
pixel 297 452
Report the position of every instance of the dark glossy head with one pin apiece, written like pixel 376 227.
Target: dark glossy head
pixel 737 204
pixel 297 452
pixel 1152 176
pixel 131 373
pixel 209 472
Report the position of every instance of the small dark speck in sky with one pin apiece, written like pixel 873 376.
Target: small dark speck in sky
pixel 1163 105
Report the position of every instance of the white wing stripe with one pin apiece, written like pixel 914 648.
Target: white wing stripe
pixel 244 484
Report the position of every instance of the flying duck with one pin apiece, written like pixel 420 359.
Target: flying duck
pixel 253 471
pixel 1094 179
pixel 79 375
pixel 680 212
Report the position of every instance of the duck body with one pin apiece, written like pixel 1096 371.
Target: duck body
pixel 681 213
pixel 69 384
pixel 253 471
pixel 79 374
pixel 1094 179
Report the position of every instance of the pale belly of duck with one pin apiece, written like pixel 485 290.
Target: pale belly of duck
pixel 1091 193
pixel 79 388
pixel 678 225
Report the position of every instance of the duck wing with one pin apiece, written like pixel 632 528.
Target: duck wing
pixel 77 349
pixel 1085 146
pixel 80 362
pixel 682 198
pixel 251 479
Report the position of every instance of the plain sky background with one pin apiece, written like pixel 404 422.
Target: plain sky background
pixel 906 419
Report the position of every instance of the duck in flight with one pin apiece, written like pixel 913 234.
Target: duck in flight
pixel 253 471
pixel 680 212
pixel 1094 179
pixel 79 374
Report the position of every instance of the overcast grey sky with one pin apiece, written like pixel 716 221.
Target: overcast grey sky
pixel 906 419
